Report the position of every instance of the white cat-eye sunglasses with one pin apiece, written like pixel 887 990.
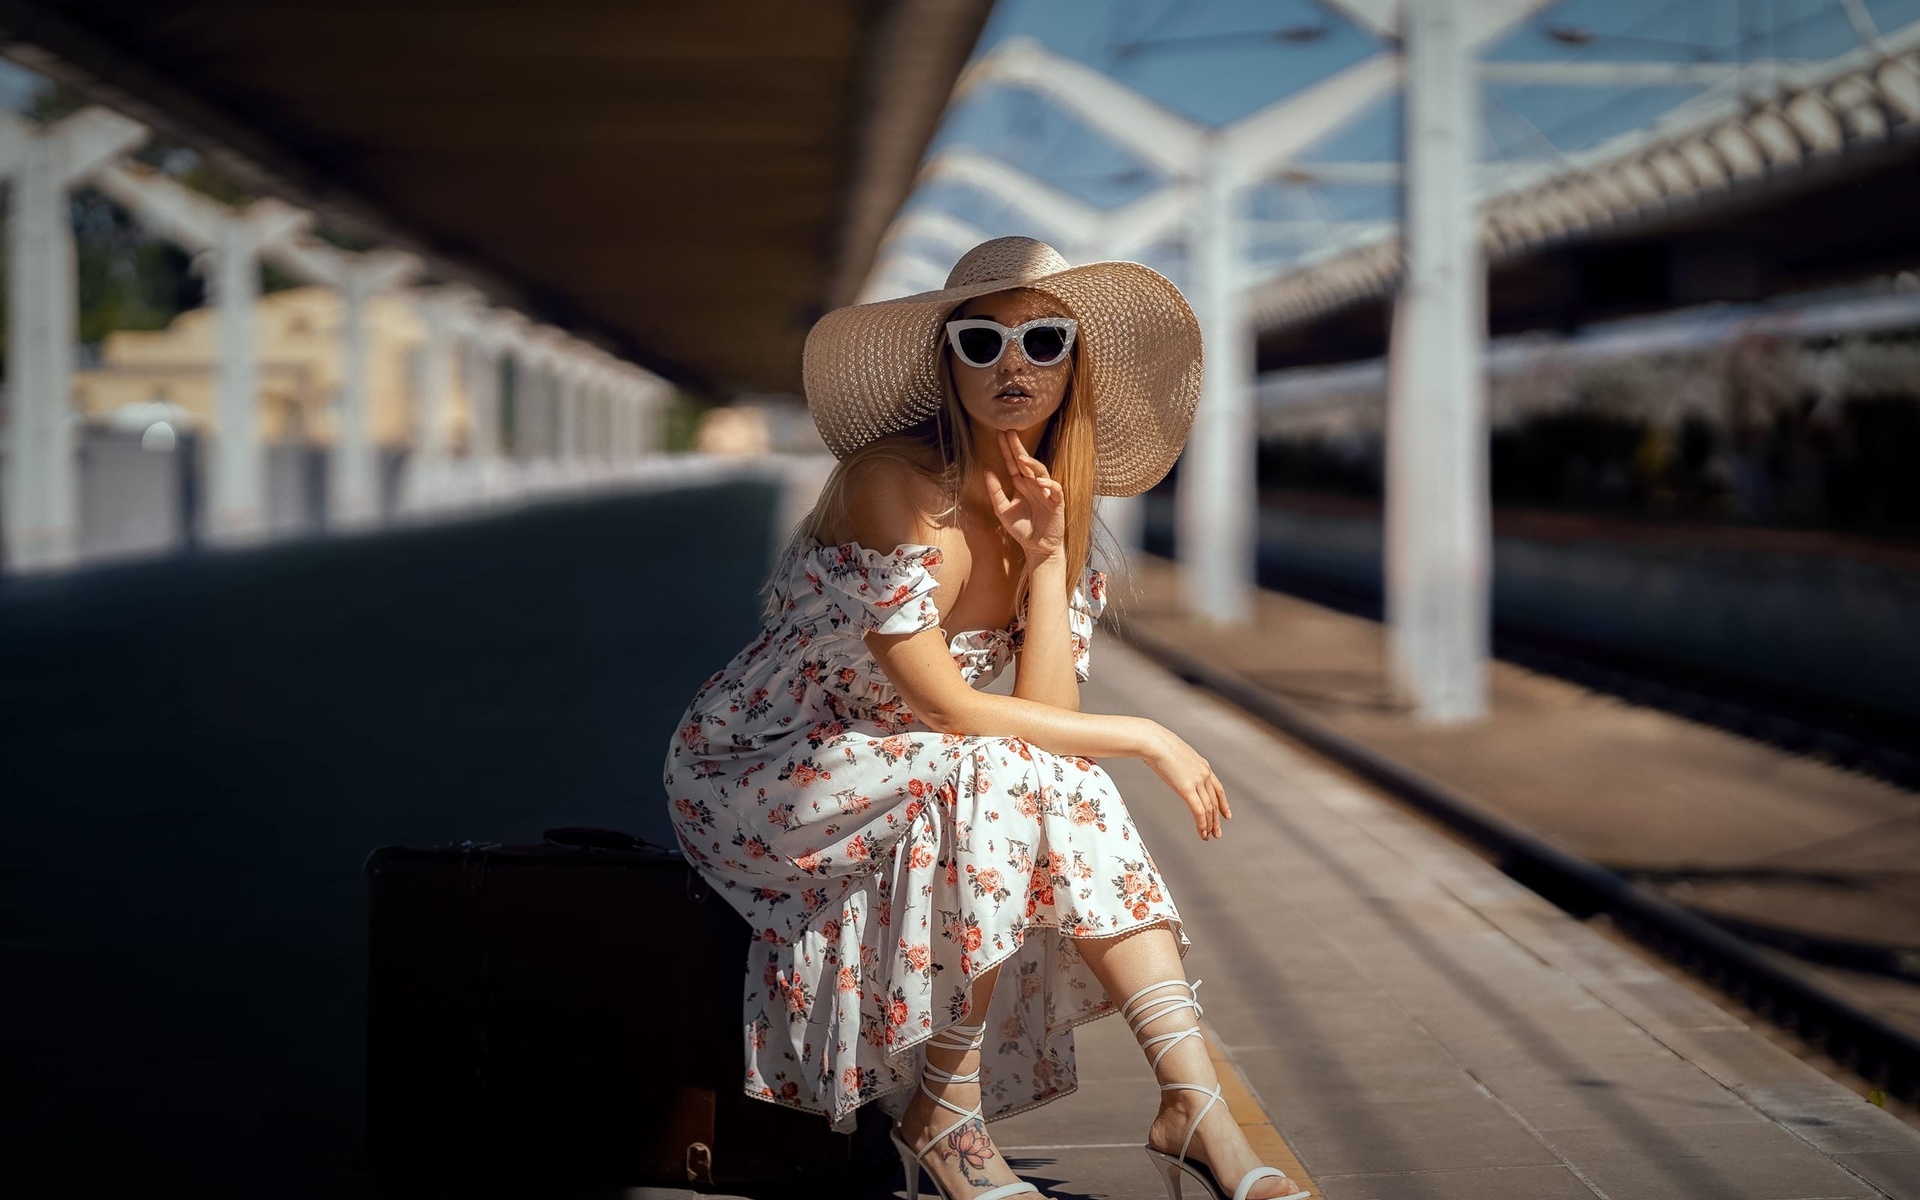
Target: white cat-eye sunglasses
pixel 980 341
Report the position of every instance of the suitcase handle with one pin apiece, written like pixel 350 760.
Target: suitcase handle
pixel 586 837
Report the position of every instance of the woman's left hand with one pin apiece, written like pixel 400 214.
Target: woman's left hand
pixel 1036 513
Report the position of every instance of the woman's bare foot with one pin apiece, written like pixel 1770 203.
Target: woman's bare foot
pixel 965 1161
pixel 1218 1143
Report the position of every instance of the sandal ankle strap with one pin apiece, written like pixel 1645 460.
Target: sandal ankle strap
pixel 1152 1010
pixel 1164 1005
pixel 954 1037
pixel 1193 1127
pixel 959 1037
pixel 1138 1018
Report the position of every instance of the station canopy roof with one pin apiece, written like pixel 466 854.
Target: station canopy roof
pixel 690 185
pixel 1633 155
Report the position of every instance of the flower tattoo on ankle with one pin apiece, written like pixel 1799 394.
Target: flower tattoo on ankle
pixel 971 1145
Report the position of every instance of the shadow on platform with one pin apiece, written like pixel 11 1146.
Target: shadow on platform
pixel 199 753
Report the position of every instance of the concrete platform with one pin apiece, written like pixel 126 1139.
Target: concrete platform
pixel 1727 825
pixel 1416 1024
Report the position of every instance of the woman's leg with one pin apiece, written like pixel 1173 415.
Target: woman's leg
pixel 980 1166
pixel 1124 965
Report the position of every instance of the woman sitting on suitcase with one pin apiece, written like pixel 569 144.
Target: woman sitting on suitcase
pixel 941 881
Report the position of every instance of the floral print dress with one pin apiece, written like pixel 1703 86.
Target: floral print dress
pixel 883 865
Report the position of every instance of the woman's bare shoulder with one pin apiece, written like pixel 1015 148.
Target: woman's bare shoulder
pixel 894 478
pixel 889 502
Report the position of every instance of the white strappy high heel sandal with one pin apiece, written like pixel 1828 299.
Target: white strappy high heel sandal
pixel 1173 1166
pixel 956 1037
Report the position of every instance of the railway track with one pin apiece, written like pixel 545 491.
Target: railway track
pixel 1871 745
pixel 1874 744
pixel 1776 986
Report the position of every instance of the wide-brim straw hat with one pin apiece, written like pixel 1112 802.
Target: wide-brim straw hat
pixel 873 369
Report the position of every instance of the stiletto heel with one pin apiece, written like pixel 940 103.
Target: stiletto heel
pixel 957 1037
pixel 1169 1175
pixel 1173 1166
pixel 909 1167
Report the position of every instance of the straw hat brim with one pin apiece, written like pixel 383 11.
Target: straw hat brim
pixel 873 369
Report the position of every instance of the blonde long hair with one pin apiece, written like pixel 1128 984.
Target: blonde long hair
pixel 946 438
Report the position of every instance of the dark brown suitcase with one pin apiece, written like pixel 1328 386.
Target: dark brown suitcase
pixel 571 1012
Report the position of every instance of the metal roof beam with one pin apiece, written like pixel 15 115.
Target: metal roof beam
pixel 1133 227
pixel 1617 74
pixel 935 226
pixel 1157 134
pixel 1254 147
pixel 1380 17
pixel 903 275
pixel 1047 204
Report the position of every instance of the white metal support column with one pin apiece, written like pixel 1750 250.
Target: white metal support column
pixel 588 418
pixel 530 430
pixel 566 386
pixel 480 377
pixel 649 399
pixel 592 413
pixel 632 394
pixel 433 414
pixel 239 509
pixel 653 398
pixel 536 392
pixel 353 482
pixel 481 471
pixel 607 416
pixel 237 242
pixel 42 499
pixel 619 431
pixel 231 242
pixel 427 480
pixel 1125 518
pixel 1437 515
pixel 632 421
pixel 600 440
pixel 354 487
pixel 1216 500
pixel 504 332
pixel 586 412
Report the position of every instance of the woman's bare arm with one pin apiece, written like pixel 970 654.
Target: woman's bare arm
pixel 1031 505
pixel 920 669
pixel 1045 668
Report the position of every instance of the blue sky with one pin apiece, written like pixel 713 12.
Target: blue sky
pixel 1218 61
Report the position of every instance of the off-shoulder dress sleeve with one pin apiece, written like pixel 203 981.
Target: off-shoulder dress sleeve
pixel 883 591
pixel 1088 601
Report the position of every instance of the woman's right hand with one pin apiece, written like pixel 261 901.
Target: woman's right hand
pixel 1192 779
